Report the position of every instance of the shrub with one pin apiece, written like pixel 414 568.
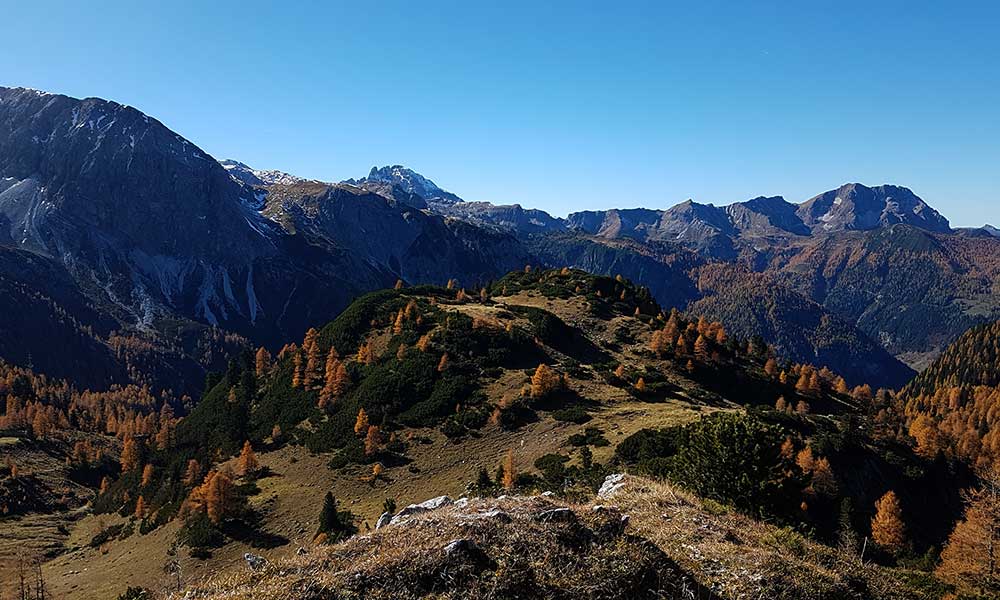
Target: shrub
pixel 199 532
pixel 591 436
pixel 573 414
pixel 728 457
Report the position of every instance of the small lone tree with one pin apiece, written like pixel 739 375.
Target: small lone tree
pixel 334 523
pixel 545 381
pixel 888 527
pixel 361 423
pixel 218 496
pixel 248 464
pixel 373 440
pixel 509 471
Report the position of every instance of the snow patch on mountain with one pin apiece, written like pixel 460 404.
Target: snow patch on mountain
pixel 250 176
pixel 408 180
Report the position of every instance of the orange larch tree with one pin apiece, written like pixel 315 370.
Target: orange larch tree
pixel 361 423
pixel 131 455
pixel 888 527
pixel 248 464
pixel 263 362
pixel 971 559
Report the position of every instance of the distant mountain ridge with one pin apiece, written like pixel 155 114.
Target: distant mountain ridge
pixel 714 230
pixel 150 229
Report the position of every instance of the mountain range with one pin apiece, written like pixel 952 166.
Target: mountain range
pixel 215 376
pixel 123 228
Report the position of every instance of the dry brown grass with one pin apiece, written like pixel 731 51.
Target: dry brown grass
pixel 675 546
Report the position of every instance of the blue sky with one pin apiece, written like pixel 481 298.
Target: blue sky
pixel 562 106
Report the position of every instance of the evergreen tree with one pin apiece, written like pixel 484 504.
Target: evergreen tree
pixel 334 524
pixel 847 537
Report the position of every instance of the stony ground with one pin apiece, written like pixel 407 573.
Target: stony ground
pixel 637 539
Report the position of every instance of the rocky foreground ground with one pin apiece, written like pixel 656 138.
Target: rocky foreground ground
pixel 637 539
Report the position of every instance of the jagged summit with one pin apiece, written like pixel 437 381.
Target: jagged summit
pixel 408 180
pixel 712 229
pixel 250 176
pixel 857 207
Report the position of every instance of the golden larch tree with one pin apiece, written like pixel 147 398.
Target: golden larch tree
pixel 193 473
pixel 365 354
pixel 361 423
pixel 660 342
pixel 297 374
pixel 147 475
pixel 130 455
pixel 888 527
pixel 545 381
pixel 509 471
pixel 771 367
pixel 925 431
pixel 219 496
pixel 971 559
pixel 314 360
pixel 247 464
pixel 373 440
pixel 701 350
pixel 329 393
pixel 263 362
pixel 424 343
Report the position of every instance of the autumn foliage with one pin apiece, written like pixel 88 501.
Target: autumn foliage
pixel 972 557
pixel 888 527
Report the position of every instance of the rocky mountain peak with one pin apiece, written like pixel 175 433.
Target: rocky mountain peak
pixel 763 215
pixel 408 180
pixel 857 207
pixel 250 176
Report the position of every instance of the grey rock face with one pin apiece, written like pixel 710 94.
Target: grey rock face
pixel 857 207
pixel 408 180
pixel 511 217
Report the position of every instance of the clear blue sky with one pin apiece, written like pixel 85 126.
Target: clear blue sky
pixel 563 106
